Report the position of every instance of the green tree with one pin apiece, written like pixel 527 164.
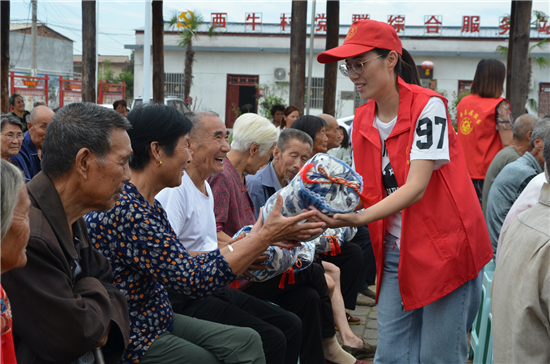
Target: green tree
pixel 189 23
pixel 541 61
pixel 274 93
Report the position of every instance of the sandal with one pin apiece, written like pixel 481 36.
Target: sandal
pixel 366 352
pixel 353 320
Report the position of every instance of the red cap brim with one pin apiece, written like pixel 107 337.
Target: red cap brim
pixel 342 52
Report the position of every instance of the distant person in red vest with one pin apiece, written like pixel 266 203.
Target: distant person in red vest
pixel 423 214
pixel 484 120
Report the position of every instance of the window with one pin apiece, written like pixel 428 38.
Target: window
pixel 317 88
pixel 173 85
pixel 464 86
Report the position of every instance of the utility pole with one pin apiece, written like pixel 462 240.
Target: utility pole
pixel 510 51
pixel 310 65
pixel 331 69
pixel 33 39
pixel 158 53
pixel 147 54
pixel 298 54
pixel 519 79
pixel 4 55
pixel 89 53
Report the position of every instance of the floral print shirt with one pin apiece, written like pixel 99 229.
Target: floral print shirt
pixel 146 256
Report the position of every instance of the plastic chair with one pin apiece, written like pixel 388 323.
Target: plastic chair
pixel 482 345
pixel 490 267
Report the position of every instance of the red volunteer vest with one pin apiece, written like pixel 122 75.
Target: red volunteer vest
pixel 444 239
pixel 477 133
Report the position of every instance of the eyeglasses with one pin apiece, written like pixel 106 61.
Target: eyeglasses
pixel 356 66
pixel 12 136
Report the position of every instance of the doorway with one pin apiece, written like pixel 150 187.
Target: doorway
pixel 241 97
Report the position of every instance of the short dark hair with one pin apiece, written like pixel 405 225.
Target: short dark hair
pixel 76 126
pixel 119 102
pixel 309 124
pixel 13 96
pixel 489 78
pixel 155 122
pixel 10 119
pixel 287 135
pixel 289 110
pixel 345 141
pixel 277 107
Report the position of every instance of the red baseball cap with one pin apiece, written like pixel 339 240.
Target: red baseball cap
pixel 363 36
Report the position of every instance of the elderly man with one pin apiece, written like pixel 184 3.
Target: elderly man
pixel 511 181
pixel 521 143
pixel 64 304
pixel 331 131
pixel 29 157
pixel 291 153
pixel 190 210
pixel 520 292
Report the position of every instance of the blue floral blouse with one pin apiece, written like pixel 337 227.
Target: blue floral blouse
pixel 146 256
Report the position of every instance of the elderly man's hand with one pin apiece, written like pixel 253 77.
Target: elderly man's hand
pixel 278 228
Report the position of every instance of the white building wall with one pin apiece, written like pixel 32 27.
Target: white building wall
pixel 211 68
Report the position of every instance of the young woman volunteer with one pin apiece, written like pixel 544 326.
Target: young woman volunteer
pixel 424 224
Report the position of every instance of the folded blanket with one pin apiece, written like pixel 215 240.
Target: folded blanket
pixel 281 260
pixel 326 183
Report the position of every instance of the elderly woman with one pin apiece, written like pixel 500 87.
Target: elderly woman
pixel 14 213
pixel 121 107
pixel 254 138
pixel 147 257
pixel 12 136
pixel 315 127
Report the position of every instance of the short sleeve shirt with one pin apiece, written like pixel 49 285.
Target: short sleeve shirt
pixel 430 142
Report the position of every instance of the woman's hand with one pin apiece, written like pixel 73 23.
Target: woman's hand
pixel 351 219
pixel 278 228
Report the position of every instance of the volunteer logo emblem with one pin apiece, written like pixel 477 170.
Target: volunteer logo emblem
pixel 466 126
pixel 352 31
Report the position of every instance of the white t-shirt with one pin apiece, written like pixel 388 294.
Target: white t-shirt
pixel 431 142
pixel 191 214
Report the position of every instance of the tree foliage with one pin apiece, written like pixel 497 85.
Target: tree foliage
pixel 189 28
pixel 274 93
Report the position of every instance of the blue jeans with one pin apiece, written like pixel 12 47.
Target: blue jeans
pixel 436 333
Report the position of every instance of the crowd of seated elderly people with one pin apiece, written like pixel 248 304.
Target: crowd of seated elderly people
pixel 123 245
pixel 129 255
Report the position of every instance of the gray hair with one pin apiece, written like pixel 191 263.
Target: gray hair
pixel 39 103
pixel 35 113
pixel 11 180
pixel 252 128
pixel 289 134
pixel 10 119
pixel 196 119
pixel 77 126
pixel 540 130
pixel 524 124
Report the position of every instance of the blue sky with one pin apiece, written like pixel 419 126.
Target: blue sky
pixel 118 19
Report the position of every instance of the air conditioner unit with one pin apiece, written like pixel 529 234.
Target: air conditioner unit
pixel 281 74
